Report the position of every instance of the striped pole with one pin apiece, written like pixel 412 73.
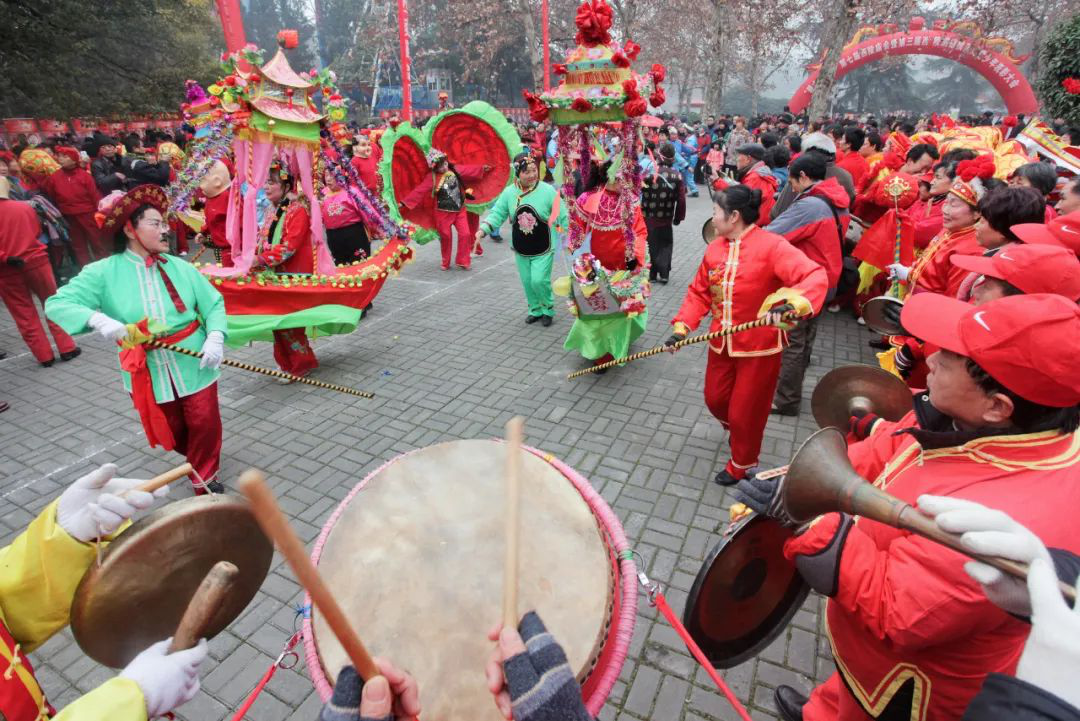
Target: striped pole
pixel 265 371
pixel 685 341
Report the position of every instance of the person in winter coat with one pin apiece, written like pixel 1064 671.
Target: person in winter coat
pixel 663 203
pixel 106 167
pixel 73 190
pixel 738 137
pixel 823 145
pixel 816 224
pixel 752 172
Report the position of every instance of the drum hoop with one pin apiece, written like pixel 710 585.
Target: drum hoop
pixel 622 606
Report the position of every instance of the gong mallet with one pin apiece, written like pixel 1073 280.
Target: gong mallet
pixel 204 605
pixel 265 371
pixel 274 524
pixel 515 433
pixel 821 479
pixel 763 321
pixel 164 479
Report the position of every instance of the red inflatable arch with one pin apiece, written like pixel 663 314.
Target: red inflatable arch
pixel 993 58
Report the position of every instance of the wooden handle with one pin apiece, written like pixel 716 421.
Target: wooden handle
pixel 165 478
pixel 277 528
pixel 208 598
pixel 916 522
pixel 515 433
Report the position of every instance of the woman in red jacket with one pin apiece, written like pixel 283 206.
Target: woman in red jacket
pixel 746 272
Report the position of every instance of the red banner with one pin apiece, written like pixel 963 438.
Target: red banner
pixel 20 125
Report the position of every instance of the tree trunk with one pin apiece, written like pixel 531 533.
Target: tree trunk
pixel 536 62
pixel 714 88
pixel 841 18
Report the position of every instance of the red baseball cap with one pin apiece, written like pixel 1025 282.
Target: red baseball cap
pixel 1027 343
pixel 1063 230
pixel 1031 268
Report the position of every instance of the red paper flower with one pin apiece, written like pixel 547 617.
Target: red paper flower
pixel 537 110
pixel 632 49
pixel 635 108
pixel 630 88
pixel 1009 121
pixel 620 60
pixel 593 21
pixel 657 98
pixel 559 69
pixel 1071 85
pixel 288 39
pixel 658 72
pixel 335 98
pixel 581 105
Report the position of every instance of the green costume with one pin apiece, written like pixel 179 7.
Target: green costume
pixel 123 287
pixel 530 214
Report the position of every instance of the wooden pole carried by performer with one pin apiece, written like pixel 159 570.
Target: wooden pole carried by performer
pixel 265 371
pixel 684 342
pixel 515 433
pixel 276 527
pixel 211 593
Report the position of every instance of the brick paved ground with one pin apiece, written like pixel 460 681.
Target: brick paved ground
pixel 449 357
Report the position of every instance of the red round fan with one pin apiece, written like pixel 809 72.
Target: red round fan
pixel 409 168
pixel 467 140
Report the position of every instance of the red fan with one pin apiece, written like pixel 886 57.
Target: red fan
pixel 409 169
pixel 467 140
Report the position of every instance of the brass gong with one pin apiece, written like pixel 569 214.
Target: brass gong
pixel 847 389
pixel 147 576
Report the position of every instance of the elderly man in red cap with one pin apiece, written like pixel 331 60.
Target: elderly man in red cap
pixel 913 635
pixel 75 193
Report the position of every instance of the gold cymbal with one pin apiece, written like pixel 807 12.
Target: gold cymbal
pixel 844 390
pixel 873 313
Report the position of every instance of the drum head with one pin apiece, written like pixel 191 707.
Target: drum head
pixel 708 232
pixel 873 312
pixel 746 592
pixel 148 575
pixel 415 559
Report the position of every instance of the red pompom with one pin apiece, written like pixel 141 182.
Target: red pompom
pixel 630 88
pixel 559 69
pixel 635 108
pixel 659 72
pixel 288 39
pixel 593 21
pixel 982 167
pixel 657 98
pixel 581 105
pixel 1071 85
pixel 1010 121
pixel 632 49
pixel 620 60
pixel 537 110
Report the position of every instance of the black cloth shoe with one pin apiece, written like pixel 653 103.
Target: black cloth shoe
pixel 215 487
pixel 545 320
pixel 724 478
pixel 784 411
pixel 71 354
pixel 530 319
pixel 789 703
pixel 3 355
pixel 48 363
pixel 878 344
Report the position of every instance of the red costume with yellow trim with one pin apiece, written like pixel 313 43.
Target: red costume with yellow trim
pixel 905 612
pixel 738 281
pixel 934 272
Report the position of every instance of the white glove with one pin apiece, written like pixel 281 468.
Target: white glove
pixel 213 350
pixel 1052 654
pixel 167 680
pixel 91 507
pixel 109 328
pixel 990 533
pixel 898 271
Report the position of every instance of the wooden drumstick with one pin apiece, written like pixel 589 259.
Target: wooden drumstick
pixel 165 478
pixel 515 432
pixel 277 528
pixel 208 598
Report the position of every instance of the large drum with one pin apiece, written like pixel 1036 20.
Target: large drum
pixel 414 555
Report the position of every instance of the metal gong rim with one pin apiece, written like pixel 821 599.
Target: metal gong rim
pixel 873 312
pixel 849 388
pixel 708 233
pixel 147 576
pixel 745 594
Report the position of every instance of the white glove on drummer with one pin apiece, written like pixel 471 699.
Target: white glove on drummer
pixel 898 271
pixel 213 350
pixel 167 680
pixel 109 328
pixel 991 533
pixel 1052 653
pixel 92 506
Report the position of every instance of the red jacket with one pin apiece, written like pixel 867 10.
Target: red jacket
pixel 857 166
pixel 19 231
pixel 216 210
pixel 368 170
pixel 904 608
pixel 933 270
pixel 734 279
pixel 811 226
pixel 758 176
pixel 74 191
pixel 926 218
